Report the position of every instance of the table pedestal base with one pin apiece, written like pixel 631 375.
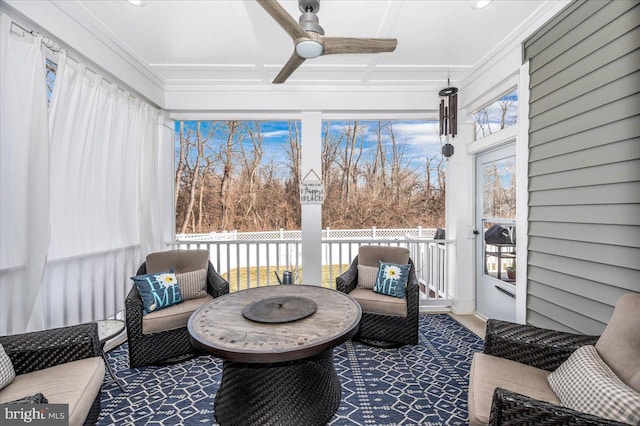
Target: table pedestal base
pixel 304 392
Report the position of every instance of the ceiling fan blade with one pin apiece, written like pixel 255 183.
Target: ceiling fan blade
pixel 285 20
pixel 333 45
pixel 292 64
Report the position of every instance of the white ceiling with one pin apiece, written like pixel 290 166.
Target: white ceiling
pixel 235 42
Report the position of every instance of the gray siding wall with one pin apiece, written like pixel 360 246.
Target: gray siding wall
pixel 584 164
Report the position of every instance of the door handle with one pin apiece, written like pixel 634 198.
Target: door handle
pixel 508 293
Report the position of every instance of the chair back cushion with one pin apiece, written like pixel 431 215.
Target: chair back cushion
pixel 619 344
pixel 372 255
pixel 180 260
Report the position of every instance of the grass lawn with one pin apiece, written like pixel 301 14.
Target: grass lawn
pixel 239 277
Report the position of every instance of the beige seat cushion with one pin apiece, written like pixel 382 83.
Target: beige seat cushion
pixel 380 304
pixel 180 260
pixel 619 344
pixel 75 383
pixel 489 372
pixel 173 317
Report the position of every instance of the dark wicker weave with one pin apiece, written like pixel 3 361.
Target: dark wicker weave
pixel 511 409
pixel 541 348
pixel 261 394
pixel 538 347
pixel 43 349
pixel 385 330
pixel 38 398
pixel 145 349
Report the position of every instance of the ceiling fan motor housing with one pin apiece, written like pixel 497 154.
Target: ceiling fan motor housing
pixel 309 21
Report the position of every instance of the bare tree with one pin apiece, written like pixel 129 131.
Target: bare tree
pixel 482 123
pixel 202 213
pixel 181 160
pixel 330 147
pixel 194 180
pixel 505 105
pixel 225 180
pixel 250 162
pixel 350 158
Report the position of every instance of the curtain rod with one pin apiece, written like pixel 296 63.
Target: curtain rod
pixel 55 47
pixel 50 44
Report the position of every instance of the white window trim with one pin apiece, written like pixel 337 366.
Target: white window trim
pixel 522 194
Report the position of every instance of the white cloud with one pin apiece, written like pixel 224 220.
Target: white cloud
pixel 418 133
pixel 275 134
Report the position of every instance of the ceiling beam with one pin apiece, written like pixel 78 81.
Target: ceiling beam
pixel 247 29
pixel 384 31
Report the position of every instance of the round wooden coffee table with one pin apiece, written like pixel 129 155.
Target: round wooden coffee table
pixel 276 372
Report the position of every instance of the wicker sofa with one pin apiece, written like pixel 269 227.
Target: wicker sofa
pixel 386 321
pixel 162 336
pixel 509 383
pixel 63 364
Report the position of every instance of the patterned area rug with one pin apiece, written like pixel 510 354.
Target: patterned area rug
pixel 424 384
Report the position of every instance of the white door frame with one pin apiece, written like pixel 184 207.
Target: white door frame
pixel 495 298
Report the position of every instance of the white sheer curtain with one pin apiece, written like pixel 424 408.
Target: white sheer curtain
pixel 79 194
pixel 103 143
pixel 24 181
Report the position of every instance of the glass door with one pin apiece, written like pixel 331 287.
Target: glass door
pixel 496 243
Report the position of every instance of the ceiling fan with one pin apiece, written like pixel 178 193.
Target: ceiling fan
pixel 309 40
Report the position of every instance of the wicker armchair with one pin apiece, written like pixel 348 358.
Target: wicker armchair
pixel 171 344
pixel 530 352
pixel 36 351
pixel 379 328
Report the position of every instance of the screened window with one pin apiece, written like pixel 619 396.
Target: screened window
pixel 500 114
pixel 384 173
pixel 237 175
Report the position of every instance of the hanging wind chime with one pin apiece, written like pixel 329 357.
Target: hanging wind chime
pixel 448 116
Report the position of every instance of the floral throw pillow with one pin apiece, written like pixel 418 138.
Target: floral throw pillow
pixel 158 291
pixel 392 279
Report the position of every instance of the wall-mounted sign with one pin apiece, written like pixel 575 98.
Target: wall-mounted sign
pixel 311 189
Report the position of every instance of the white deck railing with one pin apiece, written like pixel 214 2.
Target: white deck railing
pixel 250 259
